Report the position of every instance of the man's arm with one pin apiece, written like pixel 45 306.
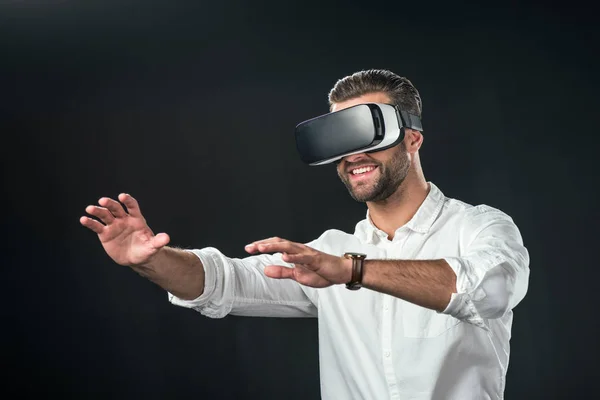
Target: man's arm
pixel 487 279
pixel 428 283
pixel 129 241
pixel 205 280
pixel 179 272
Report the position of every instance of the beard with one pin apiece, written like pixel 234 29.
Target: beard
pixel 391 176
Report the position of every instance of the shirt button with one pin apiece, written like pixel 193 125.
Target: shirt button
pixel 386 307
pixel 387 353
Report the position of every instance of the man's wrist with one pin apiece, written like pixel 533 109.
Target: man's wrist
pixel 357 259
pixel 151 264
pixel 347 267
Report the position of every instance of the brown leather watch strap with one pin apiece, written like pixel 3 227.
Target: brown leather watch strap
pixel 357 270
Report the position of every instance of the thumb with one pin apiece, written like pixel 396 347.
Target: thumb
pixel 160 240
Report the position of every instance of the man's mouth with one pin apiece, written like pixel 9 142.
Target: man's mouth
pixel 362 172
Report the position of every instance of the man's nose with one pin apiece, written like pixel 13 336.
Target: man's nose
pixel 355 158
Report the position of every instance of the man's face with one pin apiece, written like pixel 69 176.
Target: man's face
pixel 373 176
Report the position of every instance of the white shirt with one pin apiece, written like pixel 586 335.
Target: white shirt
pixel 376 346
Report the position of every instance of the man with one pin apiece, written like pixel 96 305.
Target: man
pixel 440 277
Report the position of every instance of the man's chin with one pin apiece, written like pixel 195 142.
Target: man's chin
pixel 362 195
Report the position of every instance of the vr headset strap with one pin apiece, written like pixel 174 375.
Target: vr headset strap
pixel 411 121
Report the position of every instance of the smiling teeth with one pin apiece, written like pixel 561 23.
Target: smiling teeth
pixel 362 170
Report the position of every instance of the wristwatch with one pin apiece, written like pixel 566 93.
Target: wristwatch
pixel 357 270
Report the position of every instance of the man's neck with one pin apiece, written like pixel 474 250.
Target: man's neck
pixel 394 212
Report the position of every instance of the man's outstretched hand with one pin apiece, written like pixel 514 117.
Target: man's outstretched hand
pixel 124 234
pixel 311 267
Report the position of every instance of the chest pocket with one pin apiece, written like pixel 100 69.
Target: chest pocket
pixel 420 322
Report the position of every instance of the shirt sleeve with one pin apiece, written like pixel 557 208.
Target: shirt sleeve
pixel 240 287
pixel 492 273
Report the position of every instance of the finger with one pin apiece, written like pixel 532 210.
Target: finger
pixel 102 213
pixel 92 224
pixel 253 247
pixel 250 248
pixel 298 274
pixel 279 272
pixel 298 258
pixel 115 208
pixel 270 240
pixel 160 240
pixel 132 205
pixel 280 247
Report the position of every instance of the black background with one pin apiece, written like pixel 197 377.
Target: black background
pixel 190 107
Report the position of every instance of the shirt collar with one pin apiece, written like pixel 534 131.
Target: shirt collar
pixel 421 222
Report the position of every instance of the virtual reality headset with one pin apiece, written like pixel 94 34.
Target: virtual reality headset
pixel 363 128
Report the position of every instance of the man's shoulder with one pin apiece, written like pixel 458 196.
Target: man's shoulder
pixel 467 210
pixel 471 218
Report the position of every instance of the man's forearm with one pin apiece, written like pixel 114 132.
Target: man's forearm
pixel 428 283
pixel 177 271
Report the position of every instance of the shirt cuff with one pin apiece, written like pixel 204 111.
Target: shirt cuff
pixel 210 281
pixel 461 304
pixel 461 307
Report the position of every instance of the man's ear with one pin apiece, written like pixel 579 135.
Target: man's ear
pixel 413 140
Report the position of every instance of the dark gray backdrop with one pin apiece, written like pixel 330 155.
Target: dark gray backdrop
pixel 190 106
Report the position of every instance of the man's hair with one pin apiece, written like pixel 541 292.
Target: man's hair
pixel 399 89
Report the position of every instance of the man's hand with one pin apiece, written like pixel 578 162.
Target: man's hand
pixel 311 267
pixel 125 235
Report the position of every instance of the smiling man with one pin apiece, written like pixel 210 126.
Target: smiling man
pixel 439 277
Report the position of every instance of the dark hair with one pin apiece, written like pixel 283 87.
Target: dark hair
pixel 399 89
